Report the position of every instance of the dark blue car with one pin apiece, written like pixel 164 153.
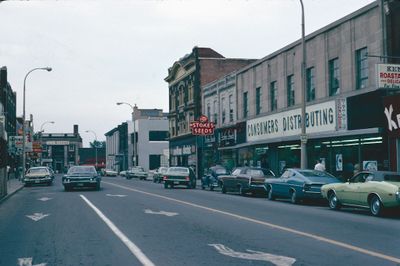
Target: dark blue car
pixel 298 184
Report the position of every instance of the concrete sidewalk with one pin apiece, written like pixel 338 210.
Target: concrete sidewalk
pixel 13 186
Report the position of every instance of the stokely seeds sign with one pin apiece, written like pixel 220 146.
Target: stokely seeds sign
pixel 202 127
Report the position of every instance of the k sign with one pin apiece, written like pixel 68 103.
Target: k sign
pixel 392 114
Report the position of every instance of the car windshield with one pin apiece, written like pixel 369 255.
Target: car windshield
pixel 81 170
pixel 37 171
pixel 316 174
pixel 392 178
pixel 178 170
pixel 220 171
pixel 255 172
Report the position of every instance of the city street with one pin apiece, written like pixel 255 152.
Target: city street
pixel 132 222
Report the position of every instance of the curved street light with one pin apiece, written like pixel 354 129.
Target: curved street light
pixel 134 130
pixel 23 117
pixel 95 143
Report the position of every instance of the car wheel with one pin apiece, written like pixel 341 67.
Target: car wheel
pixel 271 194
pixel 376 206
pixel 67 188
pixel 223 189
pixel 293 197
pixel 194 185
pixel 166 185
pixel 211 188
pixel 334 202
pixel 154 180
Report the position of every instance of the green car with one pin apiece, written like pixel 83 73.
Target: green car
pixel 376 190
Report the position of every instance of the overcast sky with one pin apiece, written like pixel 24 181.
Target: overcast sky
pixel 103 52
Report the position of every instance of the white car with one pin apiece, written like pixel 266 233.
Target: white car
pixel 109 172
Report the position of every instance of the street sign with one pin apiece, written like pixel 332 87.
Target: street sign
pixel 303 138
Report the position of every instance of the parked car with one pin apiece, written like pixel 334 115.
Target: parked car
pixel 38 175
pixel 81 176
pixel 122 173
pixel 376 190
pixel 159 174
pixel 246 180
pixel 137 172
pixel 299 184
pixel 179 176
pixel 211 178
pixel 109 172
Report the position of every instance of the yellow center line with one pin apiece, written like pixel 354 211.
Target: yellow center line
pixel 286 229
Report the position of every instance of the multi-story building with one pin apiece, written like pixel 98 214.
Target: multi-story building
pixel 117 148
pixel 151 135
pixel 185 80
pixel 345 115
pixel 60 150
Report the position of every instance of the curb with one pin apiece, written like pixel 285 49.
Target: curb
pixel 10 194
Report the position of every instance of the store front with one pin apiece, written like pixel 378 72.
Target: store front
pixel 391 112
pixel 183 152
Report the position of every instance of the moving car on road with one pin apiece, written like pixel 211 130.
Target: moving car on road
pixel 38 175
pixel 138 172
pixel 211 178
pixel 81 176
pixel 299 184
pixel 159 174
pixel 376 190
pixel 179 176
pixel 246 180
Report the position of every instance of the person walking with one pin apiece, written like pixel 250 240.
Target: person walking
pixel 319 166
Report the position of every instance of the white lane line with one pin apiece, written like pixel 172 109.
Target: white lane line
pixel 254 255
pixel 275 226
pixel 169 214
pixel 28 262
pixel 131 246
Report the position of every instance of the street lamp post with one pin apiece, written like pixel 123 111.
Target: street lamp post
pixel 95 144
pixel 23 117
pixel 303 138
pixel 40 138
pixel 134 130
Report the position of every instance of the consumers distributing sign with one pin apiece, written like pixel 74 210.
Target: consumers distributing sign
pixel 319 118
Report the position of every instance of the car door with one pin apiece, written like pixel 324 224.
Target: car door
pixel 230 182
pixel 350 193
pixel 279 185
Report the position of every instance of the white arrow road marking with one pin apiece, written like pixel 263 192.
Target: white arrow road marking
pixel 111 195
pixel 254 255
pixel 28 262
pixel 37 216
pixel 45 199
pixel 169 214
pixel 135 250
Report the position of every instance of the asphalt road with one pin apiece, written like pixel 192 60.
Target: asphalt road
pixel 132 222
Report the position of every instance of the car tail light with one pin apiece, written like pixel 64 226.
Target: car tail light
pixel 187 178
pixel 165 177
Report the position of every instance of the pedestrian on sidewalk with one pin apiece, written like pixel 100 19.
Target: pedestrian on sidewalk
pixel 319 166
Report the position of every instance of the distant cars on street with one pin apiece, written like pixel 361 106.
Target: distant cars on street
pixel 179 176
pixel 159 174
pixel 109 172
pixel 81 176
pixel 376 190
pixel 246 180
pixel 137 172
pixel 39 175
pixel 299 184
pixel 211 178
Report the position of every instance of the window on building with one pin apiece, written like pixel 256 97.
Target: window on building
pixel 154 161
pixel 231 108
pixel 258 101
pixel 215 111
pixel 245 107
pixel 208 110
pixel 290 90
pixel 273 96
pixel 223 117
pixel 334 77
pixel 310 79
pixel 158 135
pixel 362 67
pixel 71 147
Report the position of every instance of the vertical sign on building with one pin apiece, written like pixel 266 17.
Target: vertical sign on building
pixel 341 109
